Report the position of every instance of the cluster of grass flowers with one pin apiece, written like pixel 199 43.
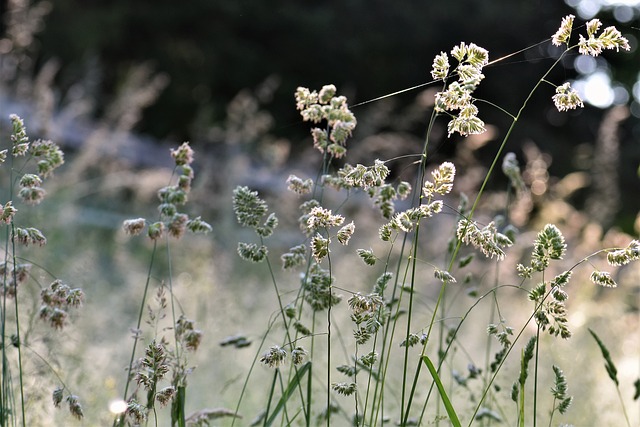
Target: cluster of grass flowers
pixel 377 316
pixel 357 348
pixel 29 164
pixel 160 375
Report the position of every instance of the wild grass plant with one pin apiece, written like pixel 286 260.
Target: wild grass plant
pixel 433 318
pixel 31 294
pixel 388 327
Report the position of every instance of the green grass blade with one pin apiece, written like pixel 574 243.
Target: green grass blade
pixel 288 392
pixel 177 407
pixel 610 367
pixel 453 417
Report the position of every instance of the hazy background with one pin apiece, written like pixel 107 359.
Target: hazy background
pixel 119 82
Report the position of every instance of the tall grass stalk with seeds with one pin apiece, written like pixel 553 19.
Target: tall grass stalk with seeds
pixel 397 362
pixel 26 165
pixel 157 375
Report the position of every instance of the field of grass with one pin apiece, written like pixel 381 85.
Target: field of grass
pixel 403 291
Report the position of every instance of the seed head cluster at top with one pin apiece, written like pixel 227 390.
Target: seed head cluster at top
pixel 171 197
pixel 565 97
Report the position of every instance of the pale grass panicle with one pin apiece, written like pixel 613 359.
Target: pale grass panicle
pixel 248 207
pixel 56 301
pixel 549 244
pixel 563 34
pixel 360 304
pixel 171 221
pixel 624 256
pixel 298 355
pixel 295 257
pixel 32 195
pixel 325 106
pixel 443 178
pixel 252 251
pixel 345 389
pixel 177 225
pixel 444 276
pixel 440 68
pixel 566 98
pixel 603 278
pixel 458 95
pixel 511 169
pixel 320 247
pixel 320 217
pixel 134 227
pixel 298 185
pixel 7 212
pixel 466 122
pixel 166 395
pixel 74 406
pixel 183 155
pixel 188 334
pixel 487 239
pixel 57 396
pixel 610 38
pixel 156 230
pixel 367 256
pixel 345 233
pixel 274 357
pixel 29 236
pixel 136 412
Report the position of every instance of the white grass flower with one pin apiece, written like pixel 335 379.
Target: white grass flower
pixel 182 155
pixel 603 278
pixel 467 122
pixel 440 68
pixel 443 178
pixel 345 233
pixel 443 276
pixel 511 169
pixel 326 93
pixel 455 97
pixel 477 56
pixel 430 209
pixel 198 226
pixel 248 207
pixel 275 357
pixel 323 218
pixel 610 38
pixel 593 26
pixel 384 232
pixel 252 252
pixel 320 247
pixel 346 389
pixel 469 76
pixel 295 257
pixel 367 256
pixel 566 98
pixel 297 355
pixel 564 32
pixel 298 185
pixel 487 239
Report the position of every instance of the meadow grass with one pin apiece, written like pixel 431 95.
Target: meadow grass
pixel 427 307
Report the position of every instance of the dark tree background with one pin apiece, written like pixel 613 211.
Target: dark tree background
pixel 212 49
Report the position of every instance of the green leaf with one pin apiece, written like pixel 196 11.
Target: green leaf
pixel 177 408
pixel 295 381
pixel 609 366
pixel 453 417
